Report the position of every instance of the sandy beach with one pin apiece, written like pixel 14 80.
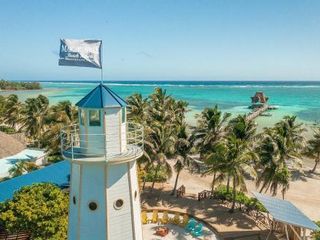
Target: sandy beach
pixel 304 189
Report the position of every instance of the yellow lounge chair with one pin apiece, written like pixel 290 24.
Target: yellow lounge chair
pixel 144 217
pixel 185 220
pixel 155 217
pixel 165 218
pixel 176 219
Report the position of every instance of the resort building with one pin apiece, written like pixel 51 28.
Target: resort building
pixel 13 151
pixel 259 100
pixel 9 145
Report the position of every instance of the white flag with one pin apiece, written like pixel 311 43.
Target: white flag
pixel 81 53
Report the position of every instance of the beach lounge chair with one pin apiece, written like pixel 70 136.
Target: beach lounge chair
pixel 165 218
pixel 197 231
pixel 191 225
pixel 144 217
pixel 184 221
pixel 155 217
pixel 176 219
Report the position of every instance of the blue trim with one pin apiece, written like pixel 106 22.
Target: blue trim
pixel 58 173
pixel 101 97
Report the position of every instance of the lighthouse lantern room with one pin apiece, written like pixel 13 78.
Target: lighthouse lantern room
pixel 102 149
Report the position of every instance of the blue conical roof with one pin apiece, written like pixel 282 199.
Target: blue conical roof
pixel 101 97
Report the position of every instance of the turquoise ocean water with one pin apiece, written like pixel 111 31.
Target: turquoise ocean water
pixel 293 98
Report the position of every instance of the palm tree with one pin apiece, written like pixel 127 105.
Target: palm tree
pixel 216 161
pixel 2 106
pixel 22 167
pixel 211 127
pixel 12 110
pixel 65 112
pixel 33 117
pixel 243 130
pixel 291 131
pixel 240 162
pixel 179 109
pixel 274 173
pixel 137 108
pixel 159 144
pixel 138 113
pixel 313 148
pixel 279 146
pixel 183 147
pixel 160 132
pixel 160 115
pixel 59 115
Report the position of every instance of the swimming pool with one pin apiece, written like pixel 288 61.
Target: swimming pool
pixel 6 163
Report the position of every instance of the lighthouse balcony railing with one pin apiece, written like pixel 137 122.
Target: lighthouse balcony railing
pixel 113 146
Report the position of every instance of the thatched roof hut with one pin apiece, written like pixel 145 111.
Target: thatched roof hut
pixel 259 97
pixel 9 145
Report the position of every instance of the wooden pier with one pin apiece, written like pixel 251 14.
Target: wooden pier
pixel 254 114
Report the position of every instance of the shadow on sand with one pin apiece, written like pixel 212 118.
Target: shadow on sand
pixel 227 225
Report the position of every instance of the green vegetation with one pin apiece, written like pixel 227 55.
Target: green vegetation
pixel 9 85
pixel 243 200
pixel 316 235
pixel 279 146
pixel 157 175
pixel 22 167
pixel 40 209
pixel 162 116
pixel 313 148
pixel 229 149
pixel 10 110
pixel 8 130
pixel 40 122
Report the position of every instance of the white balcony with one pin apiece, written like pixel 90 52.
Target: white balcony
pixel 82 147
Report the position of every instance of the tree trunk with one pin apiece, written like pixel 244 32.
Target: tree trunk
pixel 213 182
pixel 263 187
pixel 144 183
pixel 315 166
pixel 234 193
pixel 228 184
pixel 175 184
pixel 155 177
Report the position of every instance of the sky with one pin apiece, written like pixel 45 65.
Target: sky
pixel 164 39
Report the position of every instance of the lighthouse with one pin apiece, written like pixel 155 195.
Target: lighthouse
pixel 103 149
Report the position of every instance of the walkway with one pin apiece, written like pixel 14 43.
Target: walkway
pixel 258 112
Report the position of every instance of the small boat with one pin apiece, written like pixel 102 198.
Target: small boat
pixel 266 114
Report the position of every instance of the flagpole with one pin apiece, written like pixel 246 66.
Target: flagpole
pixel 101 63
pixel 101 75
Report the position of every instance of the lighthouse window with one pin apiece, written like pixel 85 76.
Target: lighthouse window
pixel 94 118
pixel 93 206
pixel 82 117
pixel 118 204
pixel 123 115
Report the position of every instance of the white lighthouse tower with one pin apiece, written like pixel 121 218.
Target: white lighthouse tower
pixel 104 195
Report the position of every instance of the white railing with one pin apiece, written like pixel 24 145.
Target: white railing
pixel 98 147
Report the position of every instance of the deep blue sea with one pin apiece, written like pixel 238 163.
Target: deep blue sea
pixel 300 98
